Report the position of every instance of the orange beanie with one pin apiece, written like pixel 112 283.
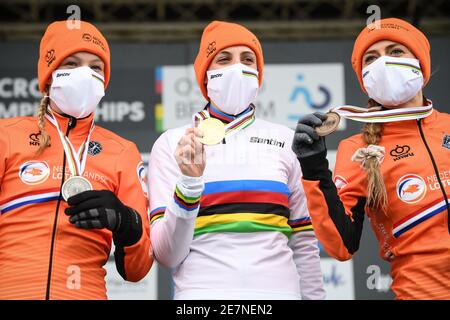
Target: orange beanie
pixel 395 30
pixel 59 42
pixel 219 35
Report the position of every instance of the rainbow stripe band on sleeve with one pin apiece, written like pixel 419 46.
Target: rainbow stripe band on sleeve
pixel 184 202
pixel 157 213
pixel 303 224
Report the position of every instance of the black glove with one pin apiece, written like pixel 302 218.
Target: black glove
pixel 306 141
pixel 102 209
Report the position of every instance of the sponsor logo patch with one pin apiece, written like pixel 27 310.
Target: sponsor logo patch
pixel 50 57
pixel 93 39
pixel 211 48
pixel 34 139
pixel 34 172
pixel 401 152
pixel 94 148
pixel 271 142
pixel 411 188
pixel 446 141
pixel 142 177
pixel 340 182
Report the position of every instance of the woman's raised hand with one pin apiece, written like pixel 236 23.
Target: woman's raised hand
pixel 190 153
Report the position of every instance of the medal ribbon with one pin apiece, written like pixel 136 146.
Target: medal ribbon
pixel 75 159
pixel 376 115
pixel 234 126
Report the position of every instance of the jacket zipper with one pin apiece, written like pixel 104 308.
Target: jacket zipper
pixel 70 125
pixel 436 171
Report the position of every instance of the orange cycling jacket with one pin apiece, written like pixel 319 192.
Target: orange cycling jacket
pixel 42 255
pixel 413 234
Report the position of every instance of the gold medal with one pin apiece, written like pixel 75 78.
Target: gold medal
pixel 329 125
pixel 213 131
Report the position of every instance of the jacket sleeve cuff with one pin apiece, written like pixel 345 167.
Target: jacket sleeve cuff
pixel 191 186
pixel 186 199
pixel 315 167
pixel 131 232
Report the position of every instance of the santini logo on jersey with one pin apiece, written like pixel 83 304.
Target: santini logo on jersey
pixel 271 142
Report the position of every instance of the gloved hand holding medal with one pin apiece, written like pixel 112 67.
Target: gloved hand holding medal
pixel 329 125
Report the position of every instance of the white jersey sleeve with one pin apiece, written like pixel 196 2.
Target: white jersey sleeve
pixel 303 241
pixel 174 203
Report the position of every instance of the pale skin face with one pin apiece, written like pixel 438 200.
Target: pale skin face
pixel 232 55
pixel 79 59
pixel 392 49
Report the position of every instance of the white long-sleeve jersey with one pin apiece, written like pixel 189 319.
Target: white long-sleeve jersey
pixel 242 231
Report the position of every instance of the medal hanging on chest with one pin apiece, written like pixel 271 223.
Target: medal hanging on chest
pixel 76 161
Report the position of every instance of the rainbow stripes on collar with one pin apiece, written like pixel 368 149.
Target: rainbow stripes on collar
pixel 234 123
pixel 210 111
pixel 418 217
pixel 214 113
pixel 29 198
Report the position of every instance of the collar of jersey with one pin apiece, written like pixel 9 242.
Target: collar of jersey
pixel 224 117
pixel 81 128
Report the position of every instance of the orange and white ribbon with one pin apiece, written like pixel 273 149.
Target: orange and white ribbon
pixel 75 159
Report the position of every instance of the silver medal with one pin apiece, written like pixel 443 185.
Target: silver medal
pixel 75 185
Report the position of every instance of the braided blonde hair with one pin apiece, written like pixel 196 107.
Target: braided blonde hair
pixel 44 137
pixel 376 188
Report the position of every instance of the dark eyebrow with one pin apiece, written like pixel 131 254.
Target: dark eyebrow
pixel 371 52
pixel 389 47
pixel 72 57
pixel 247 52
pixel 96 60
pixel 224 52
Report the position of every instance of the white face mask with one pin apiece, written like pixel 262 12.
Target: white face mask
pixel 234 88
pixel 392 81
pixel 77 91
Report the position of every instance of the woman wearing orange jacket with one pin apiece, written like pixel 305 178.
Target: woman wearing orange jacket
pixel 63 201
pixel 396 171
